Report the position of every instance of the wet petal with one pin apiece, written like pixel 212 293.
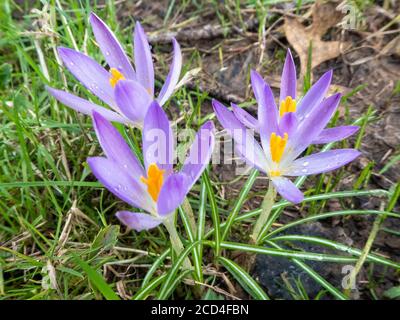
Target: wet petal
pixel 138 221
pixel 311 127
pixel 245 143
pixel 289 79
pixel 133 100
pixel 92 75
pixel 288 124
pixel 321 162
pixel 172 193
pixel 85 106
pixel 158 142
pixel 115 147
pixel 244 117
pixel 335 134
pixel 287 189
pixel 111 48
pixel 120 183
pixel 173 76
pixel 200 153
pixel 267 110
pixel 143 60
pixel 315 95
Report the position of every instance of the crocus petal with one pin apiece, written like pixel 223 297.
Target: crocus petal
pixel 335 134
pixel 111 48
pixel 315 95
pixel 115 147
pixel 288 123
pixel 310 128
pixel 92 75
pixel 173 75
pixel 200 153
pixel 288 80
pixel 158 142
pixel 138 221
pixel 267 110
pixel 85 106
pixel 244 117
pixel 287 189
pixel 245 143
pixel 172 193
pixel 143 61
pixel 133 100
pixel 321 162
pixel 120 183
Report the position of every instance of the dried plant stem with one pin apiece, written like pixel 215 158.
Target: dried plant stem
pixel 266 208
pixel 176 242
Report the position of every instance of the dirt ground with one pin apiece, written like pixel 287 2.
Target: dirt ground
pixel 369 57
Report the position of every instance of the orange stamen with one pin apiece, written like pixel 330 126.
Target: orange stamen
pixel 277 145
pixel 154 181
pixel 287 105
pixel 115 77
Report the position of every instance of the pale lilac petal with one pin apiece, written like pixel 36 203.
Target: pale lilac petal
pixel 335 134
pixel 115 147
pixel 244 117
pixel 288 124
pixel 158 142
pixel 85 106
pixel 245 143
pixel 315 95
pixel 289 78
pixel 200 153
pixel 267 110
pixel 321 162
pixel 172 193
pixel 133 100
pixel 173 76
pixel 111 48
pixel 287 189
pixel 311 127
pixel 138 221
pixel 120 183
pixel 92 75
pixel 143 60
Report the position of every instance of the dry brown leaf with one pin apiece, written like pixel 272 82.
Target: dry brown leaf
pixel 324 16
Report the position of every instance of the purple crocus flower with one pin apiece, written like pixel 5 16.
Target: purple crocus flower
pixel 127 91
pixel 156 188
pixel 282 142
pixel 289 108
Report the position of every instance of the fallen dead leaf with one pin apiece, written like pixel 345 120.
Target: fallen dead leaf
pixel 299 36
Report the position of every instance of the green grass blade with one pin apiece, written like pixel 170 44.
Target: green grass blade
pixel 337 246
pixel 154 267
pixel 245 280
pixel 214 213
pixel 238 205
pixel 173 272
pixel 313 274
pixel 97 280
pixel 146 290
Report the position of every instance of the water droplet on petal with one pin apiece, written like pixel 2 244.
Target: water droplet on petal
pixel 305 163
pixel 304 170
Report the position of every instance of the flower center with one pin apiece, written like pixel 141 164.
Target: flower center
pixel 277 145
pixel 274 173
pixel 154 181
pixel 287 105
pixel 115 77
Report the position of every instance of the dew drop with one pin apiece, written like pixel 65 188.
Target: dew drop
pixel 304 170
pixel 305 163
pixel 107 53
